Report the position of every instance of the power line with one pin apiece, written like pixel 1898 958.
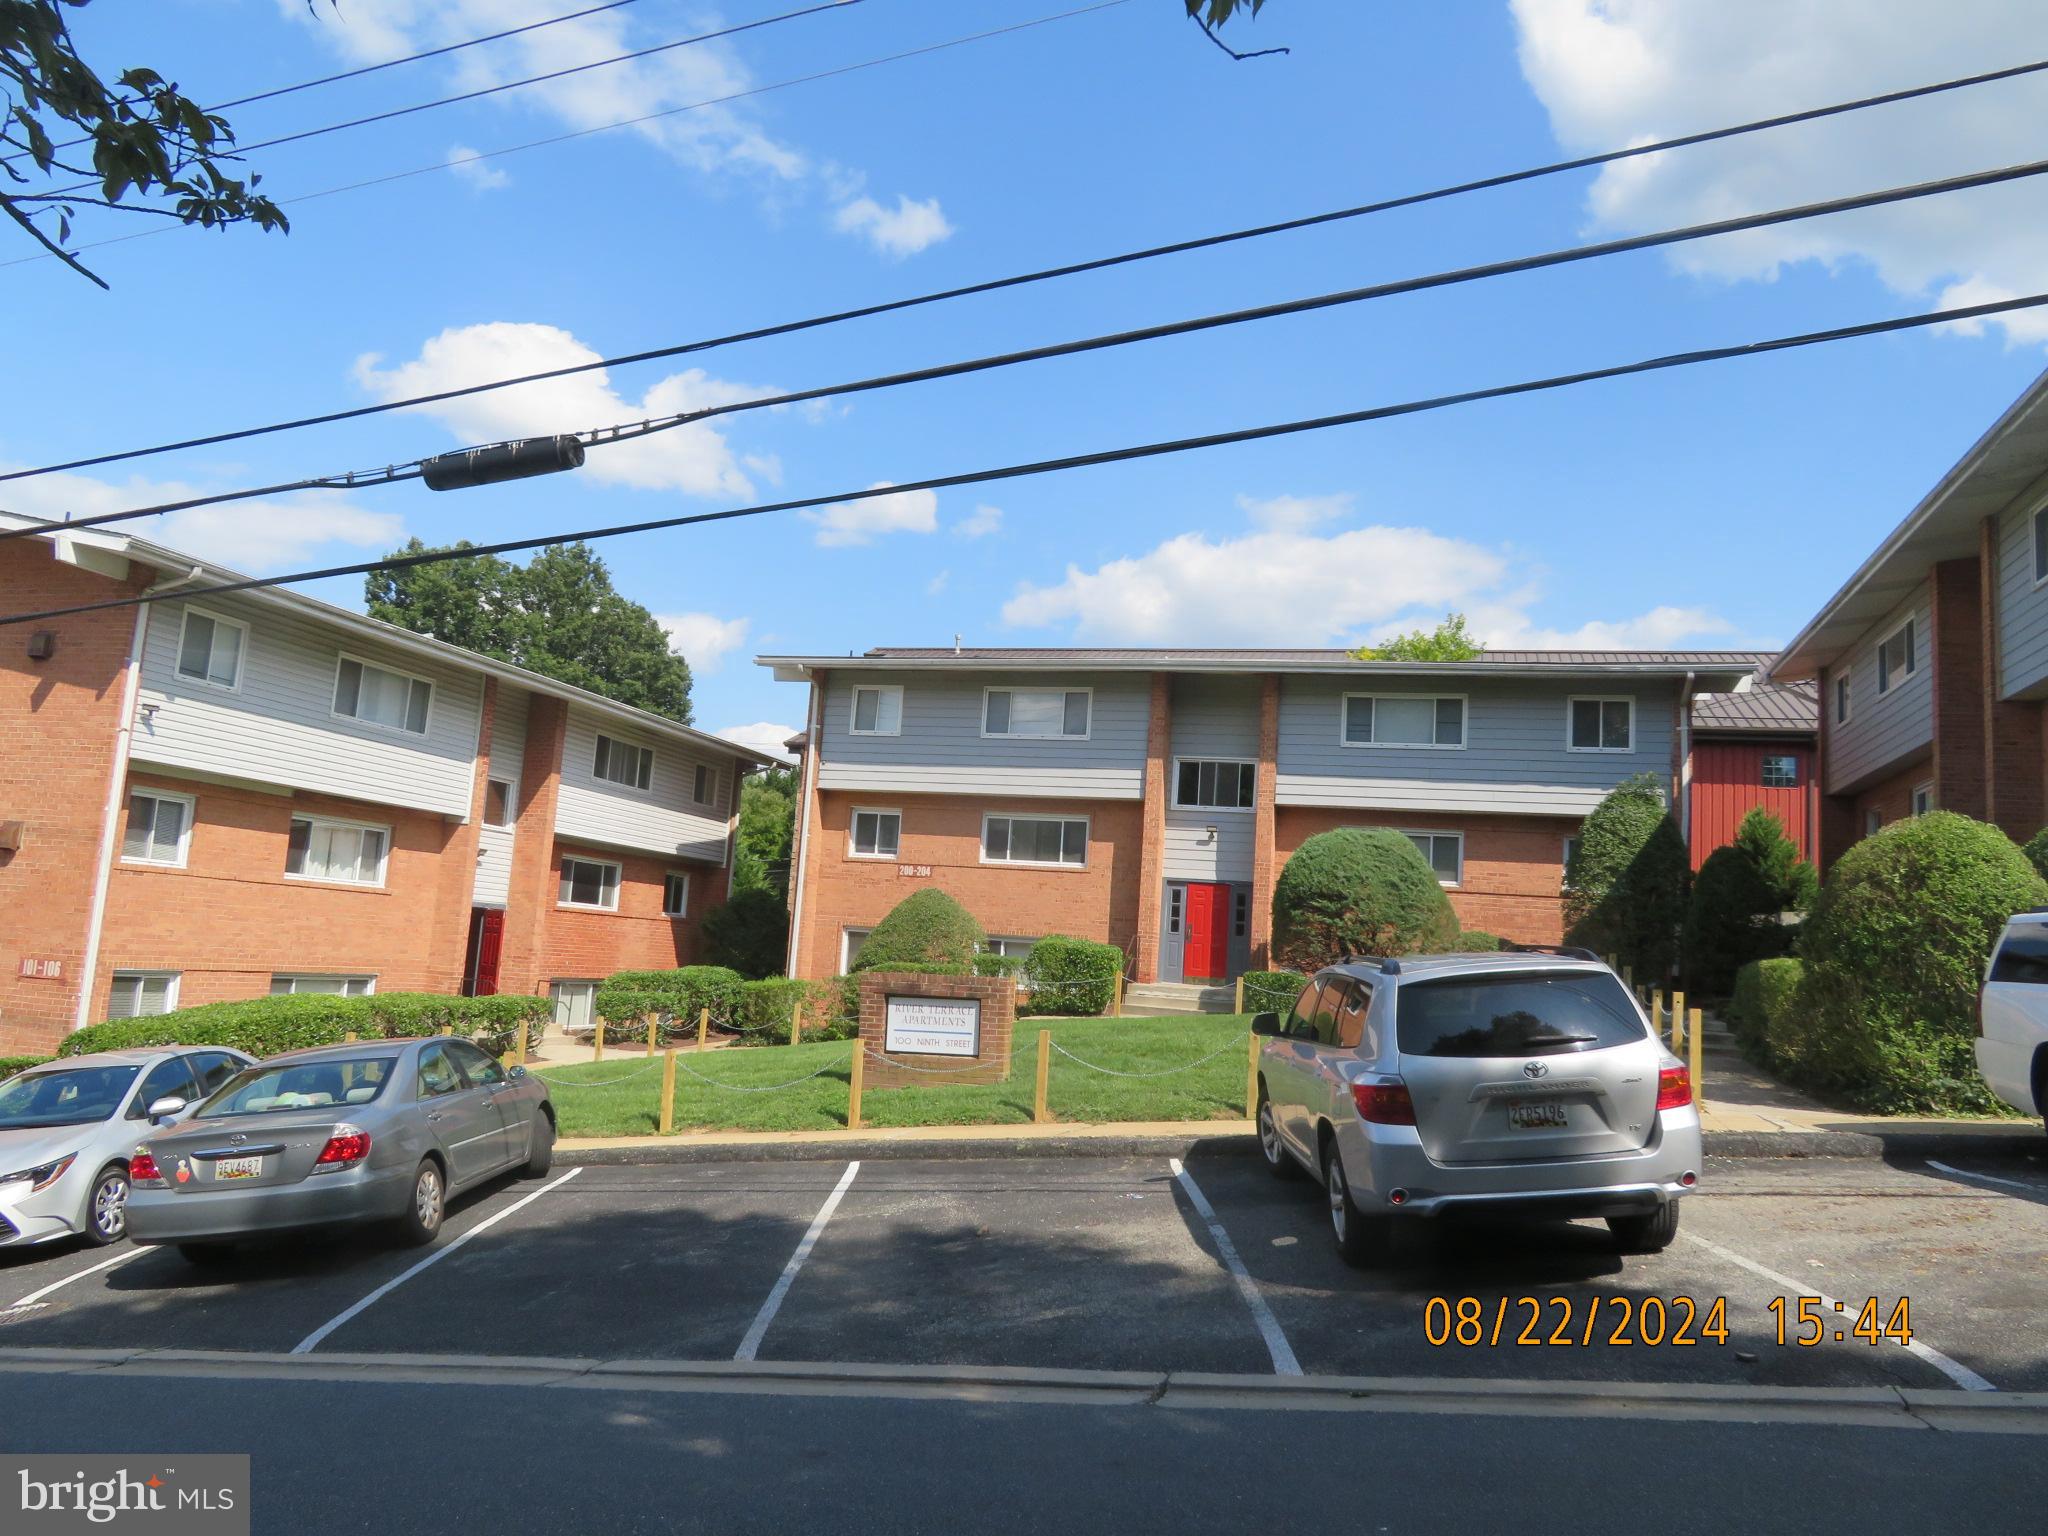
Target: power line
pixel 1070 461
pixel 993 285
pixel 602 436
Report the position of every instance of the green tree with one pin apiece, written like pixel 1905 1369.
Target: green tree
pixel 1449 641
pixel 927 927
pixel 1737 900
pixel 748 933
pixel 557 615
pixel 767 832
pixel 2036 850
pixel 1625 885
pixel 1358 891
pixel 138 146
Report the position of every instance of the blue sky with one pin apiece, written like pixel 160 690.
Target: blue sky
pixel 1715 506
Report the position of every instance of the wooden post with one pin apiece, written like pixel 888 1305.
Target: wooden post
pixel 519 1051
pixel 1239 1009
pixel 1656 1009
pixel 1040 1115
pixel 1692 1047
pixel 597 1039
pixel 668 1091
pixel 703 1026
pixel 1677 1010
pixel 1116 998
pixel 349 1038
pixel 860 1056
pixel 796 1022
pixel 652 1026
pixel 1628 978
pixel 1251 1082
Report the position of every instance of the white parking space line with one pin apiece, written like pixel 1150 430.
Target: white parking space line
pixel 1987 1178
pixel 312 1340
pixel 1955 1370
pixel 1284 1363
pixel 57 1285
pixel 750 1346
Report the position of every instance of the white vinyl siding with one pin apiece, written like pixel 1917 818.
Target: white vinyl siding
pixel 2022 598
pixel 1886 730
pixel 507 761
pixel 664 819
pixel 159 829
pixel 142 994
pixel 1214 785
pixel 574 1002
pixel 339 852
pixel 1444 852
pixel 1056 842
pixel 590 883
pixel 1036 714
pixel 210 647
pixel 877 710
pixel 323 986
pixel 1600 724
pixel 1404 720
pixel 675 894
pixel 377 695
pixel 1203 845
pixel 875 834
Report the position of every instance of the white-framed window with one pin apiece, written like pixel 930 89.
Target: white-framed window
pixel 1444 851
pixel 877 710
pixel 675 894
pixel 159 828
pixel 1842 699
pixel 2040 545
pixel 323 986
pixel 210 648
pixel 1403 720
pixel 347 852
pixel 1873 822
pixel 575 1005
pixel 1571 848
pixel 1780 770
pixel 623 762
pixel 1896 658
pixel 1037 714
pixel 1214 785
pixel 1055 842
pixel 1176 896
pixel 142 994
pixel 850 941
pixel 704 786
pixel 375 695
pixel 589 883
pixel 1600 724
pixel 874 834
pixel 1923 798
pixel 501 801
pixel 1014 949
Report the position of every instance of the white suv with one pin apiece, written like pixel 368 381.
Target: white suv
pixel 2012 1015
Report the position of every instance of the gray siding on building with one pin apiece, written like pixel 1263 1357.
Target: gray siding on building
pixel 661 819
pixel 1885 730
pixel 508 731
pixel 278 726
pixel 1216 717
pixel 2022 605
pixel 941 749
pixel 1514 758
pixel 1189 853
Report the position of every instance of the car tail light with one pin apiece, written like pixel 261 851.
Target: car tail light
pixel 142 1169
pixel 1674 1088
pixel 348 1144
pixel 1384 1103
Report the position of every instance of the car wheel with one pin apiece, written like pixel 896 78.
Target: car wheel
pixel 540 1155
pixel 1362 1240
pixel 106 1208
pixel 1279 1161
pixel 206 1255
pixel 421 1223
pixel 1646 1234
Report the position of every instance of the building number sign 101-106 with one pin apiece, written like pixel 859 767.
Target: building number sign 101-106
pixel 933 1026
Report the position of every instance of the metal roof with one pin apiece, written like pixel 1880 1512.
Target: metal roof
pixel 1769 707
pixel 1736 664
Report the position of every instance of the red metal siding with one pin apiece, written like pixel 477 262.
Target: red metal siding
pixel 1727 784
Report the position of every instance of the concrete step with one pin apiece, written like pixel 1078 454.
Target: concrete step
pixel 1154 999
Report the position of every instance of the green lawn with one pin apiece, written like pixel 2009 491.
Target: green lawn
pixel 622 1097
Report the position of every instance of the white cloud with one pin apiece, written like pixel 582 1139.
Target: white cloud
pixel 761 736
pixel 980 523
pixel 1613 72
pixel 480 174
pixel 1294 514
pixel 938 584
pixel 901 231
pixel 857 522
pixel 694 459
pixel 704 640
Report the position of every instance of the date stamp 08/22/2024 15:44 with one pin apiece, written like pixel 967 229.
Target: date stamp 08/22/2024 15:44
pixel 1584 1321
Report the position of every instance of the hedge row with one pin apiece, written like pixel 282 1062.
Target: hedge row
pixel 9 1065
pixel 1761 1009
pixel 268 1026
pixel 1072 977
pixel 675 998
pixel 1272 991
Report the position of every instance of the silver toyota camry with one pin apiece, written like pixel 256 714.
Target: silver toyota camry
pixel 374 1132
pixel 67 1127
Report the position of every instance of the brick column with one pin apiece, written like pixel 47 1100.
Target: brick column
pixel 1265 823
pixel 807 944
pixel 1956 653
pixel 2013 762
pixel 530 898
pixel 1152 839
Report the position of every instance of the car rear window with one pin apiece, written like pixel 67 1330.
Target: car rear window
pixel 2023 958
pixel 301 1085
pixel 1521 1014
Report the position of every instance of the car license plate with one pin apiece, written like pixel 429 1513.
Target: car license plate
pixel 237 1168
pixel 1540 1116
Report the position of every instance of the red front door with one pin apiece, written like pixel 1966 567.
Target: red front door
pixel 486 941
pixel 1208 950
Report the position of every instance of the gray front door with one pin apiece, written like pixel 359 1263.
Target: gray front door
pixel 1173 931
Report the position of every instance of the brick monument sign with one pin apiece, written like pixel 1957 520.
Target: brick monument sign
pixel 928 1031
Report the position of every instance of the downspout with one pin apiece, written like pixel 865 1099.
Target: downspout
pixel 803 828
pixel 117 777
pixel 1685 764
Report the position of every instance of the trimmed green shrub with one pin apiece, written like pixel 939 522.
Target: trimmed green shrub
pixel 766 1006
pixel 748 933
pixel 927 927
pixel 2036 850
pixel 1625 887
pixel 1894 951
pixel 1478 941
pixel 986 964
pixel 674 997
pixel 1738 899
pixel 10 1065
pixel 1760 1010
pixel 268 1026
pixel 1358 891
pixel 1072 976
pixel 1272 991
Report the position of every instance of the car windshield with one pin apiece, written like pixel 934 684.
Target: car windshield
pixel 73 1096
pixel 1519 1014
pixel 284 1086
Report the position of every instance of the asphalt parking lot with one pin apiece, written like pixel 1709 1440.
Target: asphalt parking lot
pixel 1108 1263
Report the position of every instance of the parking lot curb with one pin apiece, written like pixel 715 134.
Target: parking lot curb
pixel 1999 1140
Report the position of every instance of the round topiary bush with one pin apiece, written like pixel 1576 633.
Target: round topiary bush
pixel 1894 952
pixel 1625 887
pixel 1358 891
pixel 2036 850
pixel 927 927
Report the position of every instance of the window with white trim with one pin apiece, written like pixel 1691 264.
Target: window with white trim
pixel 877 710
pixel 1896 658
pixel 323 986
pixel 1780 770
pixel 622 762
pixel 875 834
pixel 675 894
pixel 378 696
pixel 590 883
pixel 346 852
pixel 142 994
pixel 1842 699
pixel 1601 725
pixel 850 941
pixel 500 796
pixel 1057 841
pixel 1014 949
pixel 1923 798
pixel 1873 822
pixel 1403 720
pixel 1571 849
pixel 575 1005
pixel 159 828
pixel 1036 714
pixel 705 788
pixel 1444 851
pixel 210 649
pixel 1201 783
pixel 2040 546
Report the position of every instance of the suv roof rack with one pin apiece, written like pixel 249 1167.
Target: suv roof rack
pixel 1562 951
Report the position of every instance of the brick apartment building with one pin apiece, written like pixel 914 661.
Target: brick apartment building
pixel 230 796
pixel 1931 663
pixel 1151 798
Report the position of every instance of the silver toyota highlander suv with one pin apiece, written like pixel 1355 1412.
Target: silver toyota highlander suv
pixel 1519 1083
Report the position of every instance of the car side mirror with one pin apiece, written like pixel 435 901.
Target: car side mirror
pixel 1265 1023
pixel 515 1072
pixel 170 1104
